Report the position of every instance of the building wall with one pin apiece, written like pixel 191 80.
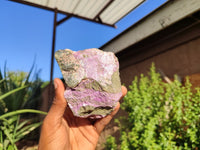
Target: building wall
pixel 182 60
pixel 179 54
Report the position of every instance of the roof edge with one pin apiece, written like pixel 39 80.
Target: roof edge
pixel 166 15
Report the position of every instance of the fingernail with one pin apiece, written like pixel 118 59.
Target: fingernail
pixel 55 85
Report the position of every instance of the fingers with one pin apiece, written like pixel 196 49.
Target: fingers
pixel 59 103
pixel 100 124
pixel 124 91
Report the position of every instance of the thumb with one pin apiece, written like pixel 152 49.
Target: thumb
pixel 59 103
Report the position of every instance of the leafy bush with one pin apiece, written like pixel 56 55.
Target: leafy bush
pixel 13 129
pixel 17 94
pixel 110 143
pixel 28 95
pixel 160 115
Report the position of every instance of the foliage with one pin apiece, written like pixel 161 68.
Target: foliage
pixel 110 143
pixel 28 94
pixel 160 115
pixel 13 129
pixel 16 94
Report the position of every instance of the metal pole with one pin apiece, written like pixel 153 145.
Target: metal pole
pixel 52 56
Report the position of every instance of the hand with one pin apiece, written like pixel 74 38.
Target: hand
pixel 61 130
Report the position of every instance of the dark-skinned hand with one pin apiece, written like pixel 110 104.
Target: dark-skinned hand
pixel 61 130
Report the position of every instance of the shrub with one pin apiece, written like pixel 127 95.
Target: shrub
pixel 17 94
pixel 110 143
pixel 13 129
pixel 28 95
pixel 160 115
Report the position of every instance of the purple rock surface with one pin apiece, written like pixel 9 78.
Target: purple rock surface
pixel 93 82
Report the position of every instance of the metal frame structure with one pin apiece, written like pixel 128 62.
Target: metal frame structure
pixel 57 23
pixel 96 19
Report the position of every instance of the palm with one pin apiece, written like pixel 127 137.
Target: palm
pixel 81 132
pixel 61 130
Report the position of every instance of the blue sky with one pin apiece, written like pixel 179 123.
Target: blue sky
pixel 26 34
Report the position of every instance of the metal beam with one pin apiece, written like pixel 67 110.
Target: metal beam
pixel 53 44
pixel 63 20
pixel 62 12
pixel 52 55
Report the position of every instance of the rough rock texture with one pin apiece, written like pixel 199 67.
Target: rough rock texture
pixel 92 77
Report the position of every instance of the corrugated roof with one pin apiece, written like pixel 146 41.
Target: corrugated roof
pixel 167 15
pixel 102 11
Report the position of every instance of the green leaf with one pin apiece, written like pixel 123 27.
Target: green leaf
pixel 1 137
pixel 9 136
pixel 16 125
pixel 2 80
pixel 110 143
pixel 23 123
pixel 26 130
pixel 5 144
pixel 12 147
pixel 22 111
pixel 27 78
pixel 1 146
pixel 3 106
pixel 11 92
pixel 12 119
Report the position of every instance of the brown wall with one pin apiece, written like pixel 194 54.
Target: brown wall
pixel 174 51
pixel 182 60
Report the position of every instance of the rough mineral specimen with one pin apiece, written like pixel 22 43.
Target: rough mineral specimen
pixel 92 78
